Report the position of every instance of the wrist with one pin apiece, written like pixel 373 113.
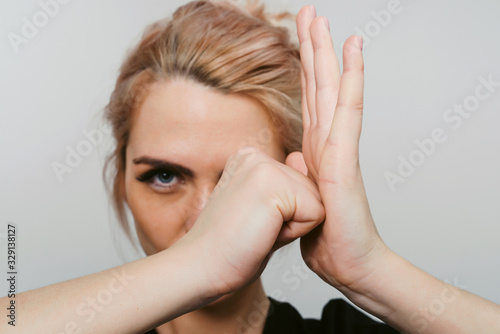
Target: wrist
pixel 375 292
pixel 191 271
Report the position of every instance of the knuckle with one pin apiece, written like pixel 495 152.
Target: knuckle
pixel 327 85
pixel 264 174
pixel 245 152
pixel 350 105
pixel 242 156
pixel 350 48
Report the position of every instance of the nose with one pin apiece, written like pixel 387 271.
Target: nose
pixel 197 202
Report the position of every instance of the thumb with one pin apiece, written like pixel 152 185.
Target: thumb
pixel 296 161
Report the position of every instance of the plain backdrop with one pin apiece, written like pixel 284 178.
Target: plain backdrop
pixel 420 61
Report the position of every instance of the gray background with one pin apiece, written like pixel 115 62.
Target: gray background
pixel 444 218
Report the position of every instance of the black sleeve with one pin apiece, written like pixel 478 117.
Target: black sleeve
pixel 341 317
pixel 338 317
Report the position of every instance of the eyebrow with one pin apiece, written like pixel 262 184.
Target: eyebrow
pixel 162 164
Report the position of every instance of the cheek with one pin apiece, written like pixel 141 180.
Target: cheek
pixel 158 221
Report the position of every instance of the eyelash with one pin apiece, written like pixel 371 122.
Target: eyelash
pixel 151 177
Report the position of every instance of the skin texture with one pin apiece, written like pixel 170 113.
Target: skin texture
pixel 347 245
pixel 207 243
pixel 173 126
pixel 206 253
pixel 346 250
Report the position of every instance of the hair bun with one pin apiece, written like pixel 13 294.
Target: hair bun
pixel 283 19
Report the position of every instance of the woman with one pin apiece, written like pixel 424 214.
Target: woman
pixel 210 210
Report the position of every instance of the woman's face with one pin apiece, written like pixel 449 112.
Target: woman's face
pixel 180 140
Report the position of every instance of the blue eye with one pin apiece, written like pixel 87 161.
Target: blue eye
pixel 160 179
pixel 165 177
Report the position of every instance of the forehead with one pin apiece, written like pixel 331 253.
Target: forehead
pixel 180 116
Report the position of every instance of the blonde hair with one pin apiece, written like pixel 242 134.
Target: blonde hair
pixel 217 44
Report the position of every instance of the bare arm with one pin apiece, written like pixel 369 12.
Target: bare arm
pixel 347 251
pixel 226 249
pixel 413 301
pixel 131 298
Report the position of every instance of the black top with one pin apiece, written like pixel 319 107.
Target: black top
pixel 338 317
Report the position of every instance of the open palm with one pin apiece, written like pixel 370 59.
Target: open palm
pixel 345 248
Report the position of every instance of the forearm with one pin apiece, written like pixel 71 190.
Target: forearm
pixel 131 298
pixel 413 301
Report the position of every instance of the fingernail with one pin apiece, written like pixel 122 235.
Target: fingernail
pixel 327 24
pixel 313 10
pixel 360 43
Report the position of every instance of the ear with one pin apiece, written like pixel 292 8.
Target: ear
pixel 296 161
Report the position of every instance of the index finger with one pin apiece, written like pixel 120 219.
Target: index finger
pixel 304 19
pixel 346 128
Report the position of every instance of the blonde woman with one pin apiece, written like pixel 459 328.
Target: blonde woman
pixel 210 210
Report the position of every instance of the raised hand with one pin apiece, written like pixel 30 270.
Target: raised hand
pixel 346 248
pixel 258 206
